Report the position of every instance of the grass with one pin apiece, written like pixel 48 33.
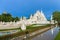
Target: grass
pixel 10 29
pixel 29 28
pixel 32 29
pixel 58 36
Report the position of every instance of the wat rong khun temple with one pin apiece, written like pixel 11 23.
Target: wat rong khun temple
pixel 37 18
pixel 36 24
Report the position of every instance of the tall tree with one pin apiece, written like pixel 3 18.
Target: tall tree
pixel 7 17
pixel 16 19
pixel 56 16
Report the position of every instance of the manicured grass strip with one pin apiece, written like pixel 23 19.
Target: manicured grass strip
pixel 58 36
pixel 10 29
pixel 28 27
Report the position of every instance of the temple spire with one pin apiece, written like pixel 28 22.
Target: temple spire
pixel 51 17
pixel 31 16
pixel 21 18
pixel 41 11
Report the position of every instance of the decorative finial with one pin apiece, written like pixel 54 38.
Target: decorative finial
pixel 51 17
pixel 41 10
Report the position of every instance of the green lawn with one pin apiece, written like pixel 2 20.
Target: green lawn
pixel 10 29
pixel 58 36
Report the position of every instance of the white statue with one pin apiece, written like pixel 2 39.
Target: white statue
pixel 23 27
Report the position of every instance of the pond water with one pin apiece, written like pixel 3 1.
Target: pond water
pixel 48 35
pixel 2 33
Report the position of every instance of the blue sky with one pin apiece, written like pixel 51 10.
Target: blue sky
pixel 27 7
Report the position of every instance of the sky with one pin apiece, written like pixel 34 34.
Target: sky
pixel 27 7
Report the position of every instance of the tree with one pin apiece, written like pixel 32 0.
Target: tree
pixel 56 16
pixel 7 17
pixel 16 19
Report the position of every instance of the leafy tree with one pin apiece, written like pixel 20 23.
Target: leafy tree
pixel 16 19
pixel 7 17
pixel 56 16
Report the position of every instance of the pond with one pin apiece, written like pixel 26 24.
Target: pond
pixel 2 33
pixel 48 35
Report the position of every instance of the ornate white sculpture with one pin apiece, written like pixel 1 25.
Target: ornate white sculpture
pixel 23 27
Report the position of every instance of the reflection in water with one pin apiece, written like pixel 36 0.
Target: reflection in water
pixel 48 35
pixel 52 30
pixel 41 34
pixel 56 25
pixel 2 33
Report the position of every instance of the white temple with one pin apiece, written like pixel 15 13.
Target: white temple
pixel 37 18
